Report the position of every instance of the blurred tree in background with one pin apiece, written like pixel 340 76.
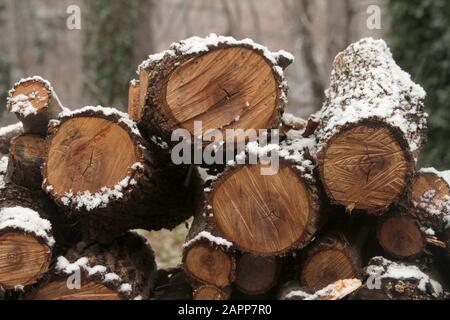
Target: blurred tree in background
pixel 109 54
pixel 420 40
pixel 5 69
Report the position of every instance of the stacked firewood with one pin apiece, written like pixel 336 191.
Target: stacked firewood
pixel 345 215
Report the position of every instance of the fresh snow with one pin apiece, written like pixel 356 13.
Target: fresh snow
pixel 367 83
pixel 11 128
pixel 381 268
pixel 3 167
pixel 26 220
pixel 334 291
pixel 290 120
pixel 208 236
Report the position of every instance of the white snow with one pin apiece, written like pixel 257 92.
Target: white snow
pixel 290 120
pixel 22 105
pixel 82 264
pixel 208 236
pixel 123 117
pixel 382 268
pixel 366 83
pixel 11 128
pixel 334 291
pixel 445 175
pixel 26 220
pixel 3 167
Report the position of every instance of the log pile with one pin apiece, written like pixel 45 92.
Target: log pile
pixel 339 212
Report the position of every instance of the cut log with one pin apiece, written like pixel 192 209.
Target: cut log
pixel 328 260
pixel 208 259
pixel 400 236
pixel 222 82
pixel 134 106
pixel 208 292
pixel 172 285
pixel 26 157
pixel 266 215
pixel 26 236
pixel 256 275
pixel 35 103
pixel 372 127
pixel 123 269
pixel 389 280
pixel 7 134
pixel 98 167
pixel 335 291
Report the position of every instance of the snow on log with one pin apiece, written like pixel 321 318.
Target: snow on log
pixel 256 275
pixel 99 167
pixel 388 280
pixel 6 135
pixel 27 240
pixel 208 259
pixel 335 291
pixel 26 157
pixel 3 168
pixel 123 269
pixel 223 82
pixel 331 258
pixel 371 129
pixel 266 215
pixel 35 103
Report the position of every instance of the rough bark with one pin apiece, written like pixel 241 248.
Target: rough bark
pixel 26 157
pixel 123 269
pixel 35 103
pixel 99 168
pixel 27 236
pixel 217 80
pixel 371 129
pixel 330 258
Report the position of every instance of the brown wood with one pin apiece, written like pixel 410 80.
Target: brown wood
pixel 40 95
pixel 7 134
pixel 24 256
pixel 256 275
pixel 259 213
pixel 400 236
pixel 134 106
pixel 26 157
pixel 230 86
pixel 128 257
pixel 365 168
pixel 91 152
pixel 208 292
pixel 23 259
pixel 330 259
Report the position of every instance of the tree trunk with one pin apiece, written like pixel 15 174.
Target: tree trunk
pixel 266 211
pixel 208 292
pixel 35 103
pixel 222 82
pixel 330 259
pixel 99 167
pixel 26 157
pixel 371 129
pixel 27 243
pixel 7 134
pixel 208 259
pixel 256 275
pixel 123 269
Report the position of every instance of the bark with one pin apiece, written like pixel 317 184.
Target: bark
pixel 35 103
pixel 331 258
pixel 134 107
pixel 109 192
pixel 214 84
pixel 123 269
pixel 26 157
pixel 172 285
pixel 371 130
